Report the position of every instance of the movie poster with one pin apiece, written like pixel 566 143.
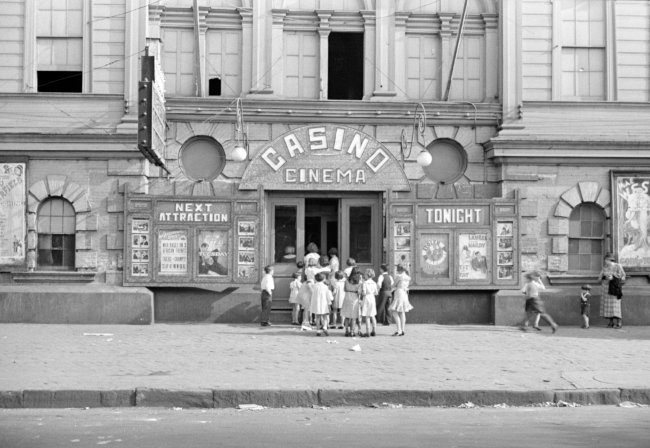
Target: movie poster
pixel 213 253
pixel 472 256
pixel 12 213
pixel 402 259
pixel 173 252
pixel 632 223
pixel 434 256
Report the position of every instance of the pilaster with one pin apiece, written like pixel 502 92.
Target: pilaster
pixel 384 51
pixel 369 25
pixel 491 22
pixel 261 53
pixel 29 48
pixel 400 55
pixel 445 50
pixel 247 49
pixel 324 32
pixel 277 51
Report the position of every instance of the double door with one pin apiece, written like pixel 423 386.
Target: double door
pixel 352 224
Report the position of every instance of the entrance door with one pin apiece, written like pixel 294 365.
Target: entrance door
pixel 361 232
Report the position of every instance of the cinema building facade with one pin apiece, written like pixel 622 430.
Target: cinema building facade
pixel 290 123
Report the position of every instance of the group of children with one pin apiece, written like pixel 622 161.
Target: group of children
pixel 330 298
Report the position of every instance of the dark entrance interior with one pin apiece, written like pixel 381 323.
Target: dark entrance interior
pixel 322 223
pixel 345 72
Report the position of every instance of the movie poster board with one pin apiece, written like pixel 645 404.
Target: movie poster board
pixel 631 220
pixel 12 214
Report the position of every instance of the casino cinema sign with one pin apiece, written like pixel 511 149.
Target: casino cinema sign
pixel 325 157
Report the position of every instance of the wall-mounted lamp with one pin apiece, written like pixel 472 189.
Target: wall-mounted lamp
pixel 240 151
pixel 419 120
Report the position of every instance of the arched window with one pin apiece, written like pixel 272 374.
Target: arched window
pixel 586 238
pixel 56 235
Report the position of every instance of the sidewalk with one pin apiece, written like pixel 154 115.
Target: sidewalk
pixel 213 365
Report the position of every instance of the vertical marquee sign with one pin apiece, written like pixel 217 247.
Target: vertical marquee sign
pixel 456 244
pixel 187 241
pixel 12 214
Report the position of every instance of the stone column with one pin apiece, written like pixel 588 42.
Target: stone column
pixel 400 56
pixel 203 28
pixel 446 52
pixel 491 22
pixel 369 23
pixel 277 52
pixel 262 48
pixel 247 49
pixel 324 33
pixel 384 51
pixel 511 67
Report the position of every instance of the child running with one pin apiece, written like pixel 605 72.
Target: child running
pixel 534 304
pixel 351 304
pixel 320 304
pixel 401 304
pixel 369 304
pixel 294 287
pixel 585 308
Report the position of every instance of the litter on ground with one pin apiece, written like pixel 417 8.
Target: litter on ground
pixel 356 348
pixel 631 404
pixel 98 334
pixel 250 407
pixel 468 405
pixel 564 404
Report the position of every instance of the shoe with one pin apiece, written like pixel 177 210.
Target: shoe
pixel 265 324
pixel 295 323
pixel 586 327
pixel 318 333
pixel 386 324
pixel 396 334
pixel 554 328
pixel 373 334
pixel 365 335
pixel 402 334
pixel 326 332
pixel 610 325
pixel 618 327
pixel 347 334
pixel 340 327
pixel 537 328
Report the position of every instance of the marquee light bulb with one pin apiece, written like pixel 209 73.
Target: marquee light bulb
pixel 424 158
pixel 239 154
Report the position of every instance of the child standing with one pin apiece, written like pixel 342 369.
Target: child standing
pixel 369 304
pixel 339 295
pixel 351 304
pixel 351 263
pixel 305 292
pixel 401 304
pixel 585 308
pixel 385 285
pixel 294 287
pixel 534 304
pixel 321 299
pixel 267 285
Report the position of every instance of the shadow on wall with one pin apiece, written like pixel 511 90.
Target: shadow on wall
pixel 232 305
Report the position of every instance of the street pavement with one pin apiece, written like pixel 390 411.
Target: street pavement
pixel 220 365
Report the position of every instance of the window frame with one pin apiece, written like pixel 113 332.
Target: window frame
pixel 602 238
pixel 65 236
pixel 609 69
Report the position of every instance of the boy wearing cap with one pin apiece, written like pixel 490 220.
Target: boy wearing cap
pixel 585 295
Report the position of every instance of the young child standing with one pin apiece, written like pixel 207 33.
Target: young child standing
pixel 534 304
pixel 321 299
pixel 385 285
pixel 339 295
pixel 401 304
pixel 585 308
pixel 267 286
pixel 369 304
pixel 351 263
pixel 294 287
pixel 351 304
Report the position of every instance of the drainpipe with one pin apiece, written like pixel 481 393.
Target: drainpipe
pixel 453 61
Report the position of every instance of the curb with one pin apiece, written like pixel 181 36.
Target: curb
pixel 229 398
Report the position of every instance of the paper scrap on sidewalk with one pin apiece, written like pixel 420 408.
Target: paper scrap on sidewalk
pixel 332 342
pixel 502 405
pixel 468 405
pixel 250 407
pixel 322 408
pixel 631 404
pixel 564 404
pixel 98 334
pixel 356 348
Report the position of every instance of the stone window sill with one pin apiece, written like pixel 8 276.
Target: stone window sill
pixel 54 277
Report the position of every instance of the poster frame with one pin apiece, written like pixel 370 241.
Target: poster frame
pixel 615 223
pixel 195 266
pixel 488 256
pixel 164 277
pixel 451 257
pixel 16 263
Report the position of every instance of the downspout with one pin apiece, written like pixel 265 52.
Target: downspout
pixel 453 61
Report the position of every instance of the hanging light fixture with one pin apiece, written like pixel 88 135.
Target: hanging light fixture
pixel 419 120
pixel 240 151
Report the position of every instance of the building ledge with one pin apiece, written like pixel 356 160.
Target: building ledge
pixel 54 277
pixel 573 279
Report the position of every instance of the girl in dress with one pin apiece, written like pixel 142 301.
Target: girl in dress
pixel 321 299
pixel 401 304
pixel 334 259
pixel 305 293
pixel 294 287
pixel 351 303
pixel 369 304
pixel 610 306
pixel 339 295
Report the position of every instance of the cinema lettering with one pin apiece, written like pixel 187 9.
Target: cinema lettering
pixel 325 157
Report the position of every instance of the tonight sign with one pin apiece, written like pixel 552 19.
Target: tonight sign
pixel 446 215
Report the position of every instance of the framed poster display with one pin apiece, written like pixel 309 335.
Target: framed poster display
pixel 173 248
pixel 213 258
pixel 631 220
pixel 473 255
pixel 434 263
pixel 139 248
pixel 12 213
pixel 246 258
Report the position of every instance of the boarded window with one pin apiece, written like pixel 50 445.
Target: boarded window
pixel 56 235
pixel 586 238
pixel 224 62
pixel 178 62
pixel 422 68
pixel 302 65
pixel 468 81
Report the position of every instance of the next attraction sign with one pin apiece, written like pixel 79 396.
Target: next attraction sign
pixel 193 212
pixel 325 157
